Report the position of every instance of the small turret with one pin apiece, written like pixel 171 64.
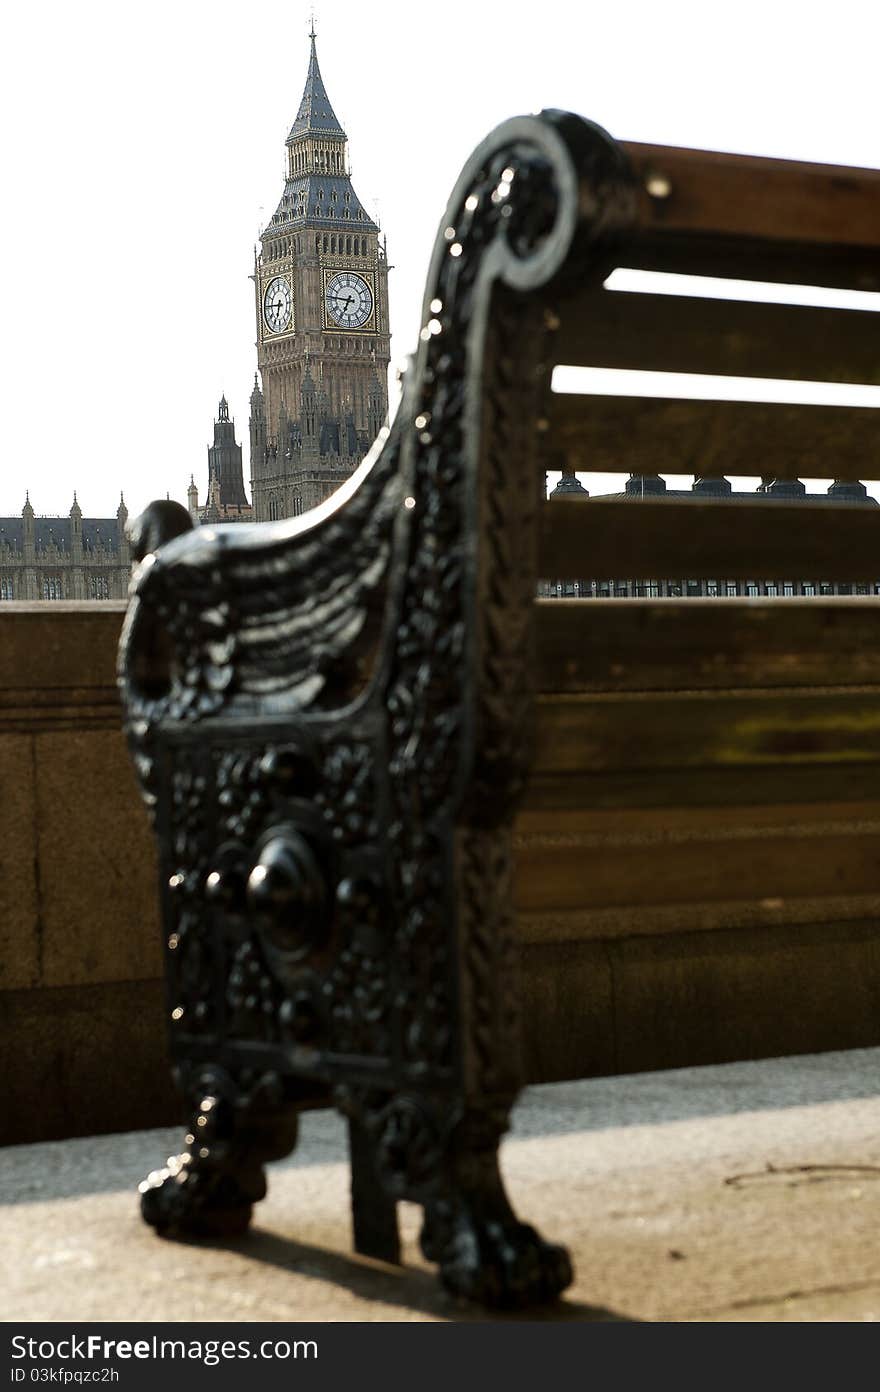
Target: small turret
pixel 212 505
pixel 350 431
pixel 123 540
pixel 27 513
pixel 29 548
pixel 376 407
pixel 259 445
pixel 309 410
pixel 192 499
pixel 76 534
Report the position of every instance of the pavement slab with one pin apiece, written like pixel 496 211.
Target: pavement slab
pixel 747 1191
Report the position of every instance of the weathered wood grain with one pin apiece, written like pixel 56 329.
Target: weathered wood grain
pixel 706 644
pixel 677 333
pixel 667 435
pixel 753 196
pixel 694 729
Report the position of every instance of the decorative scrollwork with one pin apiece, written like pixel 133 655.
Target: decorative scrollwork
pixel 189 950
pixel 511 201
pixel 253 996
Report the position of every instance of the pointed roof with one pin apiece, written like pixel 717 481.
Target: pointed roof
pixel 315 116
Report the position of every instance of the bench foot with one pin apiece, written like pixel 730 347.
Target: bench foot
pixel 210 1188
pixel 443 1155
pixel 484 1253
pixel 490 1259
pixel 502 1265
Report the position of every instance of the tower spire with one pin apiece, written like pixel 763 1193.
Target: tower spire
pixel 315 116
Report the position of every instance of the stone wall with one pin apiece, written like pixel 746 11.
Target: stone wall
pixel 82 1025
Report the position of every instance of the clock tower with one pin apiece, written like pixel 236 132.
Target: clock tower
pixel 323 343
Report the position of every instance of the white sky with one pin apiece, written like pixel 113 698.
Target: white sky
pixel 144 148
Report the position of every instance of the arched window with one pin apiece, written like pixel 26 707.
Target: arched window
pixel 333 243
pixel 7 587
pixel 273 507
pixel 99 587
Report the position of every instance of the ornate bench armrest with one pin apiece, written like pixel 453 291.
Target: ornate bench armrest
pixel 330 719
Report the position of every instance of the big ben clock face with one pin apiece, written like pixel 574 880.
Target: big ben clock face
pixel 278 305
pixel 348 300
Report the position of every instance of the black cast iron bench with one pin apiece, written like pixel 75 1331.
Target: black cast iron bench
pixel 383 773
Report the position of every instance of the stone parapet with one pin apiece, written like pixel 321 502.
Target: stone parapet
pixel 82 1032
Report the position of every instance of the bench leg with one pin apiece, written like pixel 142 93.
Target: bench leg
pixel 484 1253
pixel 373 1211
pixel 211 1187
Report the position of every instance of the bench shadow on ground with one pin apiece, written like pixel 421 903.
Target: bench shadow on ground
pixel 404 1286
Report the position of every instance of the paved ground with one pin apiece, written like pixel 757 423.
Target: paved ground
pixel 744 1192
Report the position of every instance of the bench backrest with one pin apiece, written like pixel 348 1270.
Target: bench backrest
pixel 711 766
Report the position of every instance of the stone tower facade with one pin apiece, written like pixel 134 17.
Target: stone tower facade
pixel 226 500
pixel 323 342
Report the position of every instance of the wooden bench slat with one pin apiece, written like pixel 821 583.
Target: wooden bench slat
pixel 555 791
pixel 649 435
pixel 615 874
pixel 789 263
pixel 549 925
pixel 678 333
pixel 625 732
pixel 706 644
pixel 680 538
pixel 755 197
